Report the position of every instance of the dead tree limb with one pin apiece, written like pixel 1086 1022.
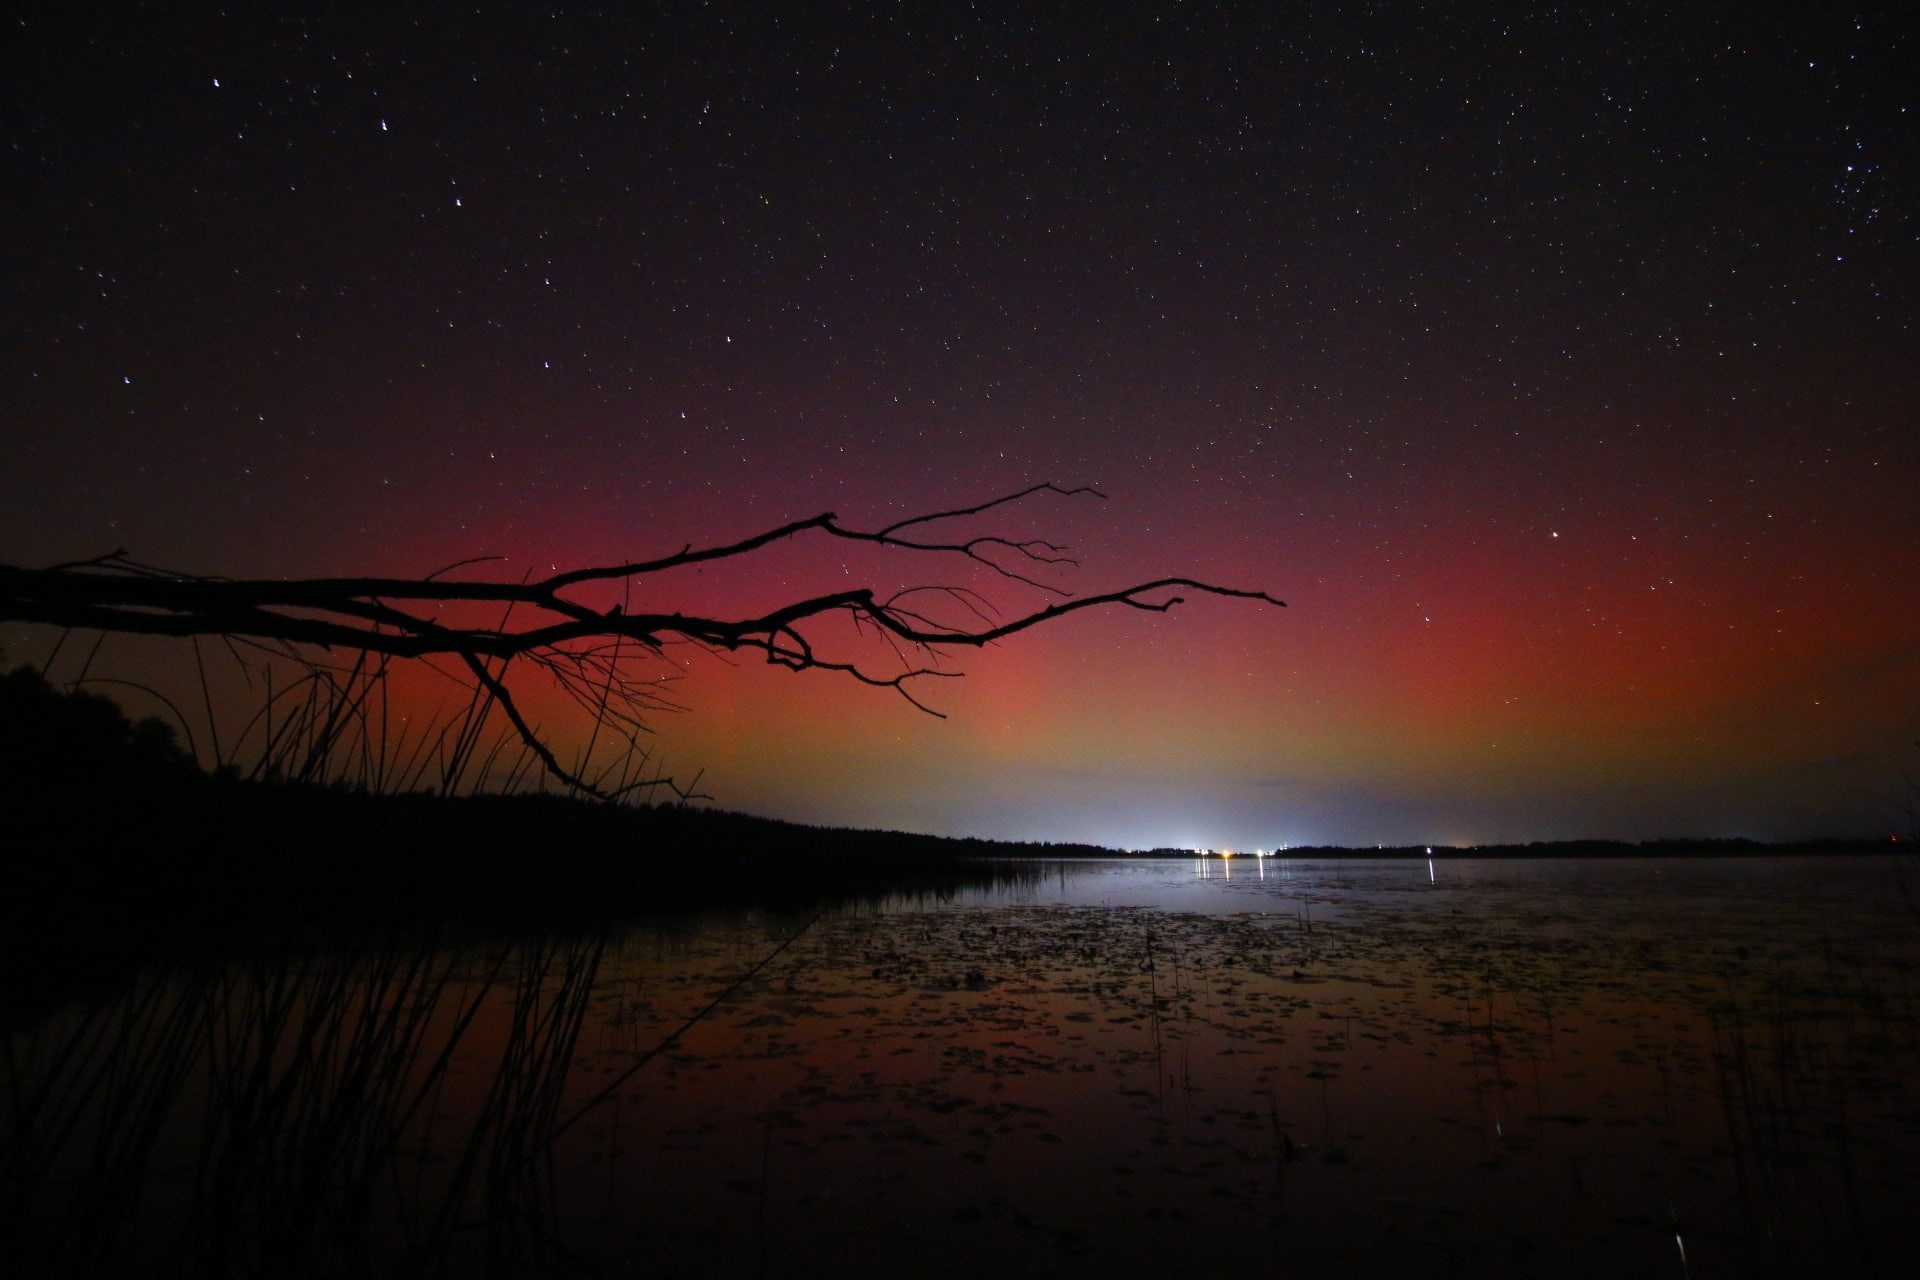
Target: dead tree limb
pixel 579 645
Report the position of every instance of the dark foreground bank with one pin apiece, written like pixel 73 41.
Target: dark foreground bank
pixel 224 845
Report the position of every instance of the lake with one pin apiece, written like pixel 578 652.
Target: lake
pixel 1689 1067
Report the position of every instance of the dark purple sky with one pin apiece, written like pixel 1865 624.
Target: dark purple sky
pixel 1557 367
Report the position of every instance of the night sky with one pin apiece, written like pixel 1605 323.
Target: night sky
pixel 1555 365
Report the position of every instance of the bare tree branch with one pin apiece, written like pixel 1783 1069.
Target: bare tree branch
pixel 583 648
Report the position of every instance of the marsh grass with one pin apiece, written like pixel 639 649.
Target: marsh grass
pixel 279 716
pixel 1811 1061
pixel 296 1114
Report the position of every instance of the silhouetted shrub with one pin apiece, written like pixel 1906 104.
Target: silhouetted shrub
pixel 63 739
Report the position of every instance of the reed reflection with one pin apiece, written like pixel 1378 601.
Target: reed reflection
pixel 304 1112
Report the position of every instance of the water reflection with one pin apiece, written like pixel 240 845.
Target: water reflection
pixel 1556 1069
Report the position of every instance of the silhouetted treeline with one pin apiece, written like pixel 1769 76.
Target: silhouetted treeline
pixel 50 737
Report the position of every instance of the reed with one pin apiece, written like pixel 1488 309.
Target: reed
pixel 311 720
pixel 291 1114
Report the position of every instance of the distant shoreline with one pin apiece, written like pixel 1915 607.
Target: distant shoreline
pixel 1734 847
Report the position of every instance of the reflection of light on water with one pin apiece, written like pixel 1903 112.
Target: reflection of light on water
pixel 1205 872
pixel 1430 879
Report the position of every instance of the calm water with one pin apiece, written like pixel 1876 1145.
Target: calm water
pixel 1679 1068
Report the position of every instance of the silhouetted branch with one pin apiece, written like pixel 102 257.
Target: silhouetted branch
pixel 579 645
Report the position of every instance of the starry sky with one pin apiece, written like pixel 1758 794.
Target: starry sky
pixel 1556 365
